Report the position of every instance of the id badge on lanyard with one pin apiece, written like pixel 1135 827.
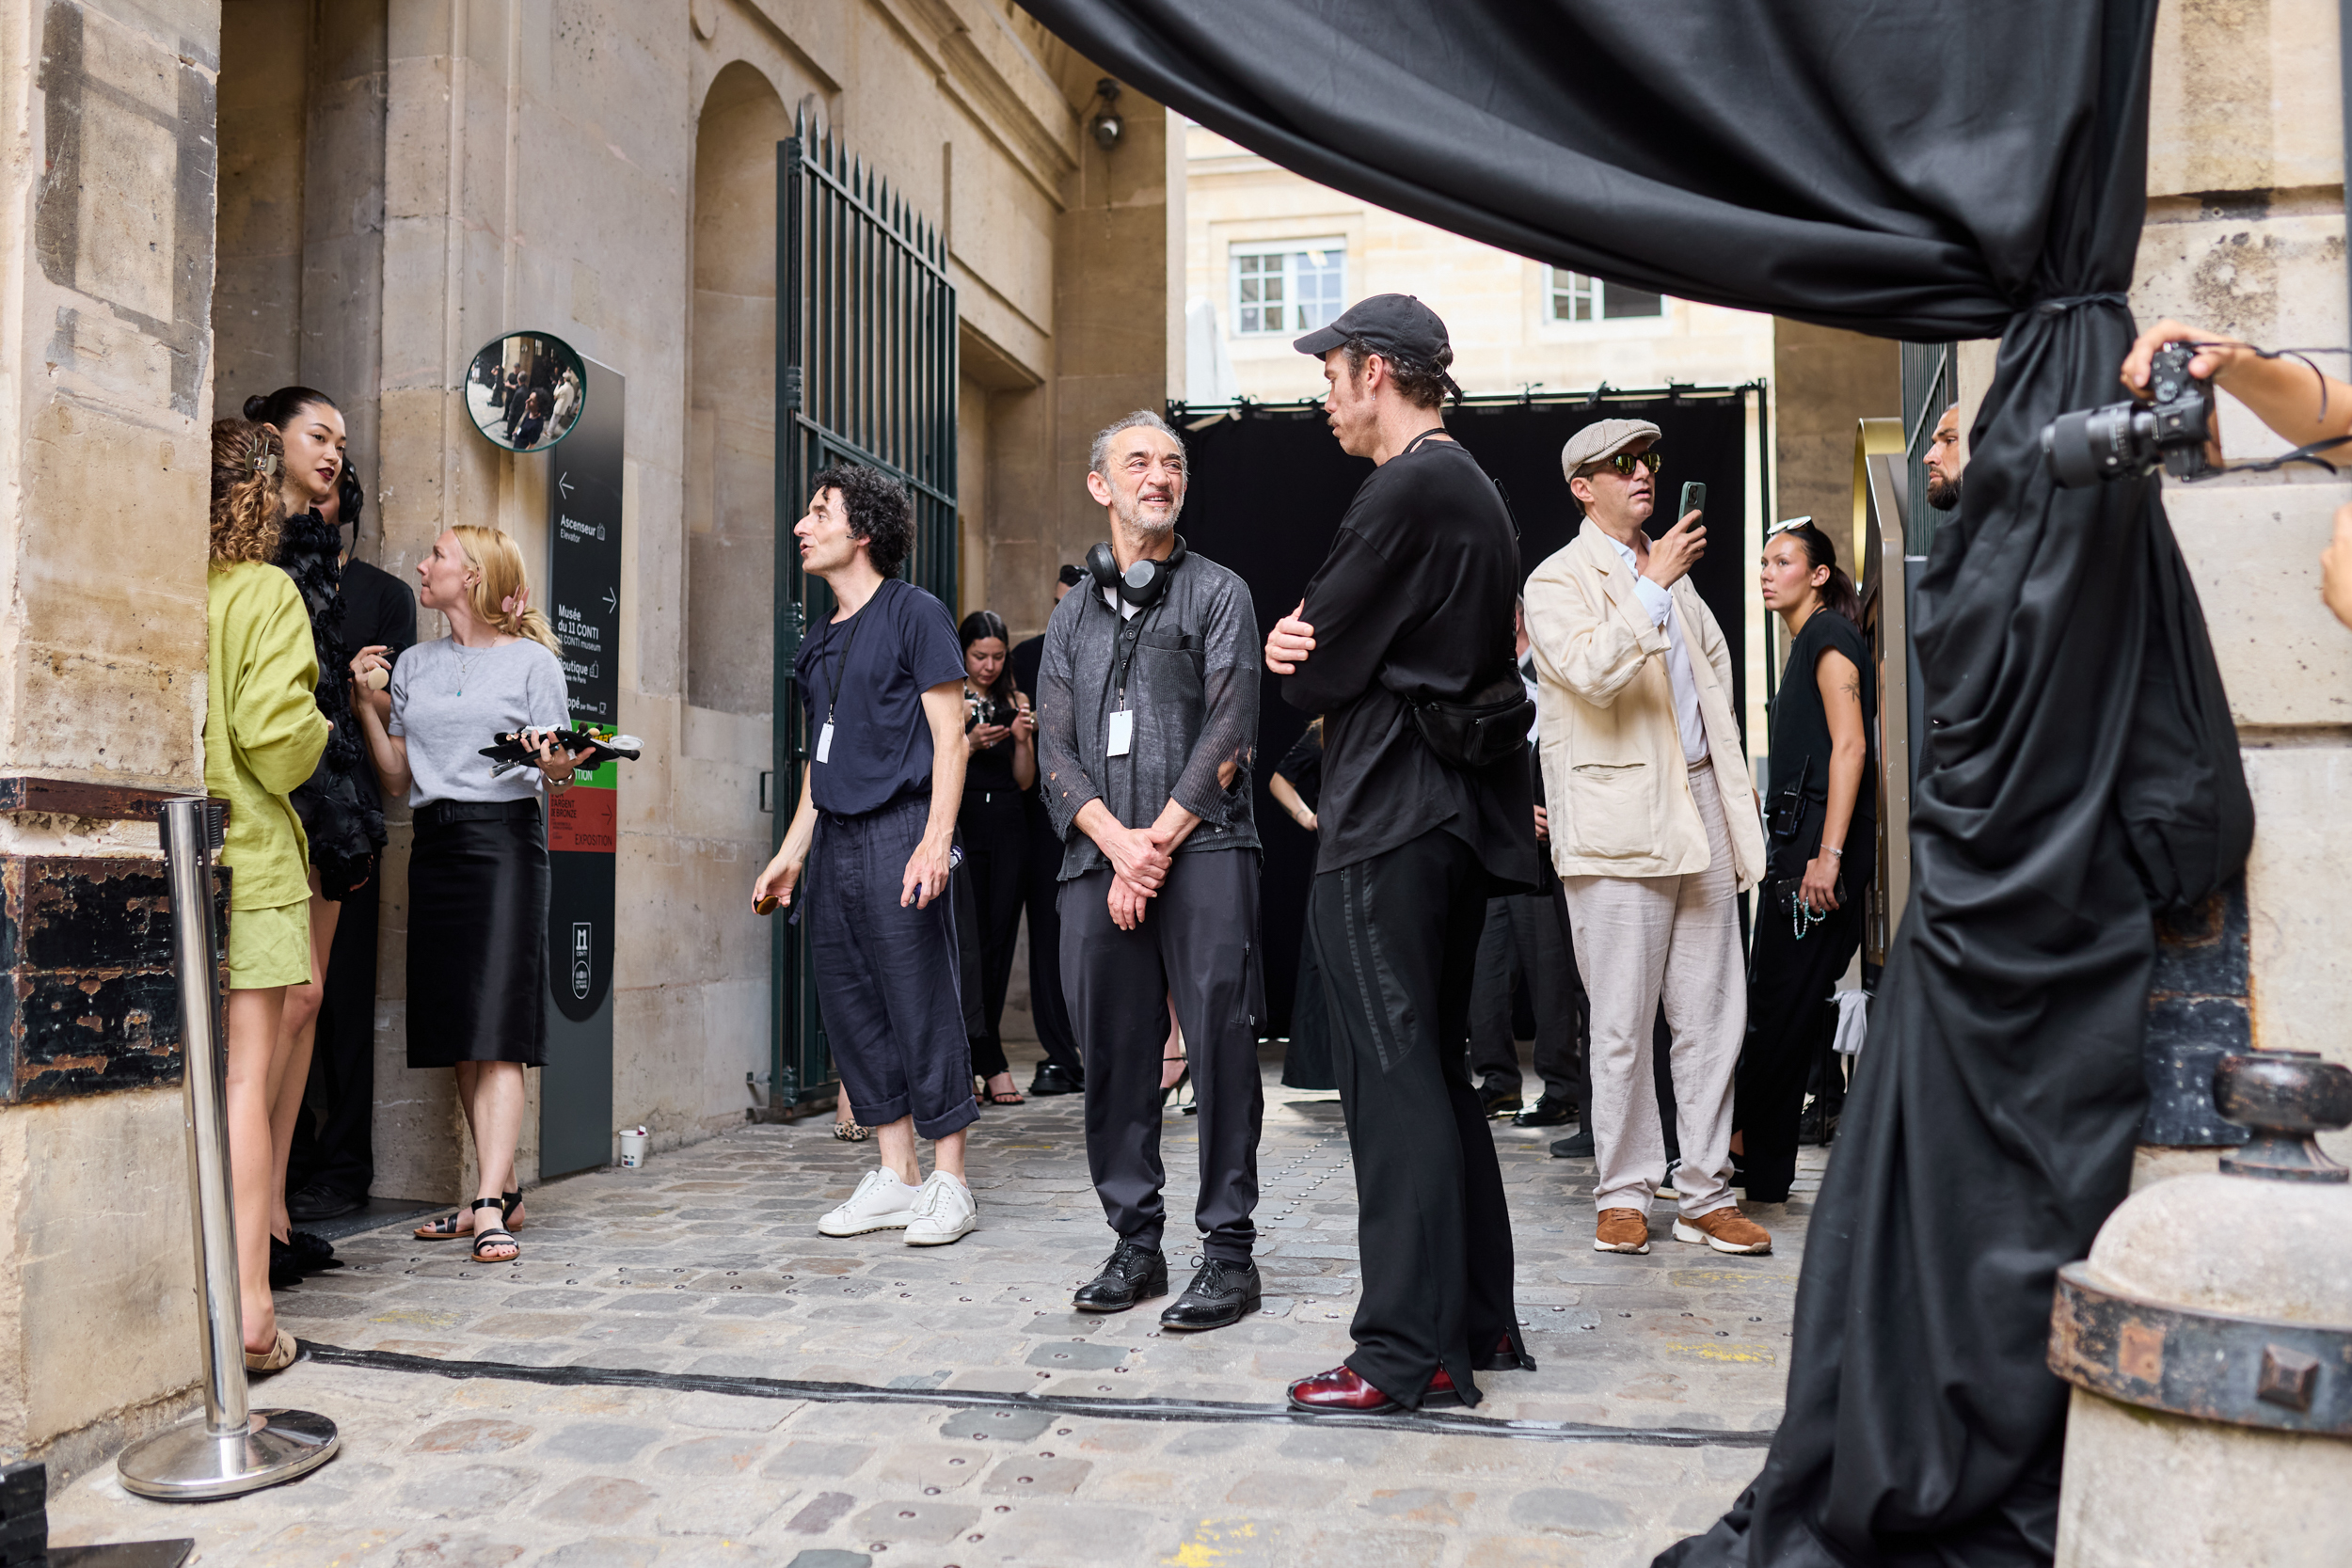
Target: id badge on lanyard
pixel 1123 733
pixel 840 672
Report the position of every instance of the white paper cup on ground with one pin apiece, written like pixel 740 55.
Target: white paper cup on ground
pixel 633 1141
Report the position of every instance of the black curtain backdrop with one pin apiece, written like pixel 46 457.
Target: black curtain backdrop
pixel 1921 172
pixel 1267 492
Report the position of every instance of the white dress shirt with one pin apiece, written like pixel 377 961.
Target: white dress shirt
pixel 1660 606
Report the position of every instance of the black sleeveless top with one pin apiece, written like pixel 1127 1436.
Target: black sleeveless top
pixel 339 812
pixel 1800 751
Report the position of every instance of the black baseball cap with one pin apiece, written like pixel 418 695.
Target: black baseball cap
pixel 1397 326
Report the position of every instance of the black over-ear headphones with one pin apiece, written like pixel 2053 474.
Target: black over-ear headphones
pixel 1144 583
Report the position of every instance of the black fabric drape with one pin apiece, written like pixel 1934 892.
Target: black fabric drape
pixel 1918 172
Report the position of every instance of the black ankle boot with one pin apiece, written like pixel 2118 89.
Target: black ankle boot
pixel 1130 1274
pixel 1220 1295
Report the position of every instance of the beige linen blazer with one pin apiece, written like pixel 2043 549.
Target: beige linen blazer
pixel 1618 790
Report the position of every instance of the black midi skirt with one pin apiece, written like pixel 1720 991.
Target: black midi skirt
pixel 478 935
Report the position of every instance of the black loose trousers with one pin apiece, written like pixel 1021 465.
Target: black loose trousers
pixel 1397 937
pixel 1790 1011
pixel 1195 943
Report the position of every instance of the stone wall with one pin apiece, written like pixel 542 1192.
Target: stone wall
pixel 105 347
pixel 2246 235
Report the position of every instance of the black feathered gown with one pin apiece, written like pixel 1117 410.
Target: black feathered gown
pixel 338 805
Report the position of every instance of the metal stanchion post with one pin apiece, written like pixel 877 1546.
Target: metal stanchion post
pixel 230 1449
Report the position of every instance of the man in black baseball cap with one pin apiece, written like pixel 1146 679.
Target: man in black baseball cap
pixel 1398 328
pixel 1409 620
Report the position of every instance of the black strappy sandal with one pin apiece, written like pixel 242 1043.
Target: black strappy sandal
pixel 445 1229
pixel 496 1235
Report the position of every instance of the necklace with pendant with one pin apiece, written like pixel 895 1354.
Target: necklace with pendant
pixel 464 665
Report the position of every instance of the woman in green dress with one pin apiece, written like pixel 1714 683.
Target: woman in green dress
pixel 263 736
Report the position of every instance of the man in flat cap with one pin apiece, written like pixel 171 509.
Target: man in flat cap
pixel 1654 832
pixel 1404 643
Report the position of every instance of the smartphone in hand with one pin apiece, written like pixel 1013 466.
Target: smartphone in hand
pixel 1693 500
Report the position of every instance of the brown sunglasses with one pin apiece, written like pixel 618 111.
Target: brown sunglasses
pixel 1623 462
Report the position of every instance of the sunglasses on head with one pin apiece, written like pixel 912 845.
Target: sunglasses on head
pixel 1624 462
pixel 1788 525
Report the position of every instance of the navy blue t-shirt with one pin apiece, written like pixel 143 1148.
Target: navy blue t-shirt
pixel 882 743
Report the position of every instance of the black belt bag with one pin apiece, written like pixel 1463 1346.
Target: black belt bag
pixel 1489 729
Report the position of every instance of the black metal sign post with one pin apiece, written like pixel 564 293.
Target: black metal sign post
pixel 583 600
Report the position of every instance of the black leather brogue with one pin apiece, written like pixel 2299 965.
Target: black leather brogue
pixel 1220 1295
pixel 1130 1274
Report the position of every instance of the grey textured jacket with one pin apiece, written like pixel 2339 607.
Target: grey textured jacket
pixel 1192 684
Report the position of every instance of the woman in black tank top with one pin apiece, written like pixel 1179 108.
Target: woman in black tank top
pixel 1821 821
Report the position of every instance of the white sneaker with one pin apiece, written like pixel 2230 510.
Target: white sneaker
pixel 882 1203
pixel 944 1211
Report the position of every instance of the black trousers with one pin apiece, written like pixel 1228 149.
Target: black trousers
pixel 1526 934
pixel 1397 936
pixel 994 834
pixel 1791 1021
pixel 888 979
pixel 1197 943
pixel 1041 893
pixel 334 1136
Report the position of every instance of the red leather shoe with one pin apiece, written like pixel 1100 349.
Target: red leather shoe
pixel 1341 1391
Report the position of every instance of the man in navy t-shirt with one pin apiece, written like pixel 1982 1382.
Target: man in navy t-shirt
pixel 881 684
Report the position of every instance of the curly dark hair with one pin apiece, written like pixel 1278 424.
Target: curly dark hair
pixel 880 512
pixel 350 498
pixel 1426 384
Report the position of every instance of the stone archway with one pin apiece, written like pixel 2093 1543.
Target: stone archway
pixel 731 400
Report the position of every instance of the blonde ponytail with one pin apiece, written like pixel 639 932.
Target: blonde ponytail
pixel 500 594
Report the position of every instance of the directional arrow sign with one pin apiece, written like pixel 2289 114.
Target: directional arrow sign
pixel 612 601
pixel 563 482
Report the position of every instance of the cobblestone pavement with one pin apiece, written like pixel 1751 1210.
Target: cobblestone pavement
pixel 649 1304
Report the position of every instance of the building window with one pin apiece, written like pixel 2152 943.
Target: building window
pixel 1580 297
pixel 1296 288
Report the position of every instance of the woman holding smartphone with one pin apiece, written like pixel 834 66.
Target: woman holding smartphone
pixel 263 736
pixel 1000 734
pixel 478 871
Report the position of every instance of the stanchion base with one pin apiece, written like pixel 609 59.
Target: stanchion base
pixel 187 1464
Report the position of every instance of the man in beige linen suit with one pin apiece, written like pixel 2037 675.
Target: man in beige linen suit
pixel 1654 833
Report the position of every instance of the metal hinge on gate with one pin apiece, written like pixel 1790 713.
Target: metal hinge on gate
pixel 792 386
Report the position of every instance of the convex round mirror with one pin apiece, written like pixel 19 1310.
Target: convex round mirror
pixel 526 391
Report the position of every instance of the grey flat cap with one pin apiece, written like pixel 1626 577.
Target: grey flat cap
pixel 1600 441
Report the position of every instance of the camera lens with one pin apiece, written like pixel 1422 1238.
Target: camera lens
pixel 2092 444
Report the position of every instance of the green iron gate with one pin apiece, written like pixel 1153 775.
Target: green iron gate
pixel 865 373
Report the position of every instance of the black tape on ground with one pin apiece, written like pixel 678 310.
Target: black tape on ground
pixel 1433 1422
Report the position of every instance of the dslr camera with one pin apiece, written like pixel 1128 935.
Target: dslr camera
pixel 979 710
pixel 2124 440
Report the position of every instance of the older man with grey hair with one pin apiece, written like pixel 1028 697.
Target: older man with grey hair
pixel 1146 707
pixel 1654 832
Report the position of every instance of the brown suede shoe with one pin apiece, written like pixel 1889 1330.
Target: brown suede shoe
pixel 1622 1230
pixel 1725 1231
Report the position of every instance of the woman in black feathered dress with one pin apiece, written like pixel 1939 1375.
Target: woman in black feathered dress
pixel 340 814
